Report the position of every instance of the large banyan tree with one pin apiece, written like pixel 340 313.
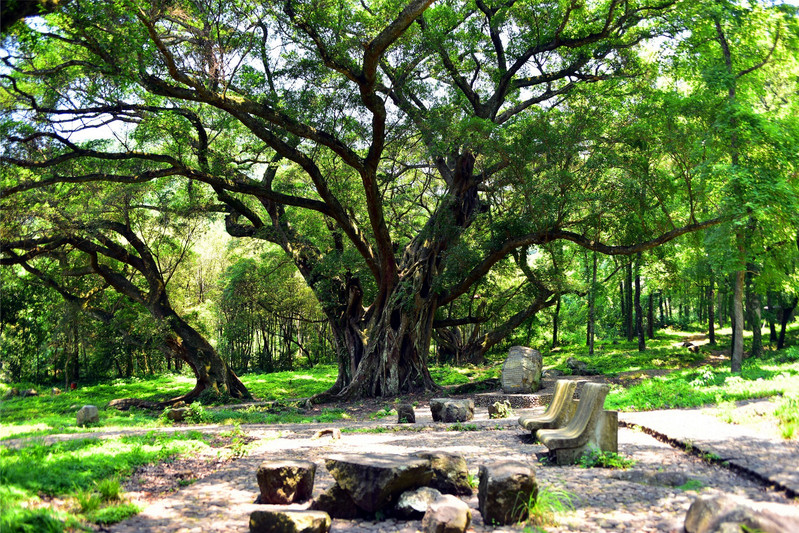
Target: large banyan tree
pixel 397 151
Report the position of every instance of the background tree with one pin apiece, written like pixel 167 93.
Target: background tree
pixel 399 155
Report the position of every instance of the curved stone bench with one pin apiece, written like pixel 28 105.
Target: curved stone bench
pixel 559 412
pixel 591 427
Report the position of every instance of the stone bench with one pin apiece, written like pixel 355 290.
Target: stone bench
pixel 591 427
pixel 559 411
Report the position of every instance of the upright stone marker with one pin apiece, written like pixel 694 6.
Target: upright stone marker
pixel 521 372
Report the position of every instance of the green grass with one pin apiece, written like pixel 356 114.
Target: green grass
pixel 776 374
pixel 48 414
pixel 450 375
pixel 85 471
pixel 288 385
pixel 544 507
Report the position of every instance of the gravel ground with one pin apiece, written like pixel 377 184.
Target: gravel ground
pixel 223 500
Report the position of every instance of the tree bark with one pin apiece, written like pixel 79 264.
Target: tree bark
pixel 555 320
pixel 785 317
pixel 628 319
pixel 737 355
pixel 650 319
pixel 753 308
pixel 711 318
pixel 592 307
pixel 639 318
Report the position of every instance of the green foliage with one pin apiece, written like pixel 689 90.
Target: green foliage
pixel 596 458
pixel 544 507
pixel 383 413
pixel 43 520
pixel 787 413
pixel 502 410
pixel 108 489
pixel 692 484
pixel 88 471
pixel 112 514
pixel 197 414
pixel 459 426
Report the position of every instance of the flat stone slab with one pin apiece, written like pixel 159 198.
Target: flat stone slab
pixel 373 481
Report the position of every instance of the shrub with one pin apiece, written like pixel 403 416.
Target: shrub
pixel 598 458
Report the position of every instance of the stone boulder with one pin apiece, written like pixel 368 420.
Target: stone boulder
pixel 177 415
pixel 337 503
pixel 373 481
pixel 580 368
pixel 452 410
pixel 406 414
pixel 88 414
pixel 289 522
pixel 27 393
pixel 721 513
pixel 285 481
pixel 413 504
pixel 521 371
pixel 448 514
pixel 450 473
pixel 505 491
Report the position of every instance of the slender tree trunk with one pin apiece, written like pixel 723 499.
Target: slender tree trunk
pixel 785 317
pixel 711 298
pixel 628 319
pixel 639 319
pixel 650 319
pixel 737 354
pixel 592 307
pixel 753 308
pixel 770 316
pixel 555 319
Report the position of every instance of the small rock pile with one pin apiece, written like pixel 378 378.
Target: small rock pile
pixel 425 485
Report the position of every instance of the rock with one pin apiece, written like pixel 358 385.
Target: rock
pixel 505 491
pixel 450 473
pixel 580 368
pixel 500 409
pixel 553 373
pixel 285 481
pixel 177 415
pixel 55 391
pixel 123 404
pixel 88 414
pixel 669 479
pixel 373 481
pixel 665 479
pixel 28 392
pixel 448 514
pixel 413 504
pixel 333 433
pixel 721 512
pixel 337 503
pixel 521 371
pixel 406 414
pixel 289 522
pixel 13 392
pixel 451 410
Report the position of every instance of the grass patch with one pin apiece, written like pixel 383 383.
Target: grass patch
pixel 597 458
pixel 543 508
pixel 288 385
pixel 84 471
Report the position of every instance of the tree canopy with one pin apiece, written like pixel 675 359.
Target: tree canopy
pixel 403 155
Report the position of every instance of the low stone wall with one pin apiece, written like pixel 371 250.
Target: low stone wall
pixel 517 401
